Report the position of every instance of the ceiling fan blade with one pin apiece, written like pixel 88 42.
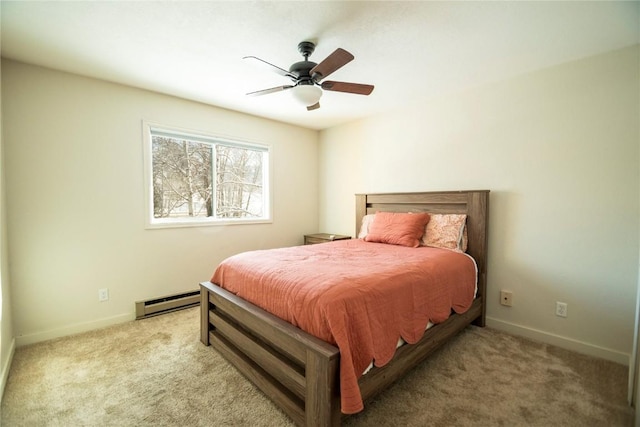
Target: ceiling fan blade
pixel 270 90
pixel 331 63
pixel 314 106
pixel 356 88
pixel 272 67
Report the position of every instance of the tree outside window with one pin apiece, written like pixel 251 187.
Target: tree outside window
pixel 196 178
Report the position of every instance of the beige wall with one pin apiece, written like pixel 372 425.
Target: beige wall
pixel 73 148
pixel 7 341
pixel 558 149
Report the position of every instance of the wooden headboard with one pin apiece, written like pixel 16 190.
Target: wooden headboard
pixel 475 204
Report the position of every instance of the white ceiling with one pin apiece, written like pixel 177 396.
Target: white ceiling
pixel 410 51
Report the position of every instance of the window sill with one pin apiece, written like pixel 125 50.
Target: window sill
pixel 179 223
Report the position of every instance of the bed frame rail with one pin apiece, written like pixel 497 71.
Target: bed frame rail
pixel 408 356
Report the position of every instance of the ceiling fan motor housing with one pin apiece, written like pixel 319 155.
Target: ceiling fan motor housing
pixel 302 71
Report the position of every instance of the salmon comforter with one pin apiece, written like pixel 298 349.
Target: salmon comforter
pixel 359 296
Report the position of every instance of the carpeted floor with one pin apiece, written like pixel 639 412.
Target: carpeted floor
pixel 155 372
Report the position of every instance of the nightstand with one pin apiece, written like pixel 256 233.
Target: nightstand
pixel 310 239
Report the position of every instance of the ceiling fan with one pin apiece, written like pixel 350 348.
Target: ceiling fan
pixel 307 76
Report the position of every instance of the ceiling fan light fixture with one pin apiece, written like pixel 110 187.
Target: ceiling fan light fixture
pixel 306 94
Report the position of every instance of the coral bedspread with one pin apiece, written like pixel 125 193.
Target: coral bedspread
pixel 357 295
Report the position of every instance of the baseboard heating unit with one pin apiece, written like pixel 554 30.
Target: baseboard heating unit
pixel 156 306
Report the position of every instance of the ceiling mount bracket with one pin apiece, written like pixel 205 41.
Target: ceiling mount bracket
pixel 306 49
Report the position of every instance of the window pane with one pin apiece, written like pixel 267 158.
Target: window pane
pixel 239 186
pixel 197 179
pixel 182 174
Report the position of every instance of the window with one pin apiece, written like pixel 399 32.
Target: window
pixel 195 179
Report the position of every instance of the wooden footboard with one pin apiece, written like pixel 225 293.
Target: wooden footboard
pixel 296 370
pixel 299 372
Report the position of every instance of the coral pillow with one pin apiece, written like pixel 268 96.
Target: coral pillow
pixel 403 229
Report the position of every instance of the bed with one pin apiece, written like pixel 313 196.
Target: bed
pixel 300 372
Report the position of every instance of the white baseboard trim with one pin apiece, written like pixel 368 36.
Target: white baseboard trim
pixel 6 367
pixel 560 341
pixel 73 329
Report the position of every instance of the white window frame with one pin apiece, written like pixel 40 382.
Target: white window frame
pixel 151 222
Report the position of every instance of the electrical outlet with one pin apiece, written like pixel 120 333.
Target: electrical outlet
pixel 103 294
pixel 506 298
pixel 561 309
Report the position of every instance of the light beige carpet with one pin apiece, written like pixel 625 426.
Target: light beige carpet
pixel 155 372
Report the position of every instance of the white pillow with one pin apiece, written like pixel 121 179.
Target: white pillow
pixel 364 228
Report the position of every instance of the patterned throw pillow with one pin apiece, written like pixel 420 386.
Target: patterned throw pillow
pixel 446 231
